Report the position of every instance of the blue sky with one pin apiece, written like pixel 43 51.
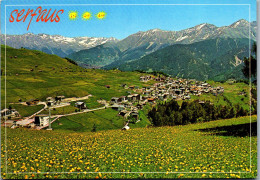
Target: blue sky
pixel 124 20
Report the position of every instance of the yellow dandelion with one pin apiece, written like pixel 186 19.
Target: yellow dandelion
pixel 180 175
pixel 99 174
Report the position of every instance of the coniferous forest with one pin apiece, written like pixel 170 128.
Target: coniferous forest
pixel 171 113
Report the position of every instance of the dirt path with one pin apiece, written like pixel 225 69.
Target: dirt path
pixel 76 99
pixel 85 111
pixel 61 105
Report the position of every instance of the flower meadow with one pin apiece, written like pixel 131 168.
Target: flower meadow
pixel 162 152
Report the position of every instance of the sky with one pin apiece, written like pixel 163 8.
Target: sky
pixel 125 17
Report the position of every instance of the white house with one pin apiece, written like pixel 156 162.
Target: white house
pixel 41 120
pixel 126 127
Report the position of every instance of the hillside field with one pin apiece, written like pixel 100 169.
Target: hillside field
pixel 190 151
pixel 34 74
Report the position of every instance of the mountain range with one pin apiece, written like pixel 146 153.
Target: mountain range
pixel 135 46
pixel 217 59
pixel 53 44
pixel 179 53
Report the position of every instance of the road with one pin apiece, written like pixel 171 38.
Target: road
pixel 76 99
pixel 85 111
pixel 56 117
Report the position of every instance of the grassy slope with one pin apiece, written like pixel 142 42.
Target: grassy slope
pixel 103 119
pixel 26 110
pixel 106 119
pixel 178 149
pixel 59 77
pixel 70 82
pixel 61 110
pixel 66 79
pixel 231 92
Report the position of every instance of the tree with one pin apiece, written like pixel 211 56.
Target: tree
pixel 94 128
pixel 178 118
pixel 232 113
pixel 152 113
pixel 172 118
pixel 186 116
pixel 225 111
pixel 175 106
pixel 184 105
pixel 251 60
pixel 71 61
pixel 158 120
pixel 197 111
pixel 131 119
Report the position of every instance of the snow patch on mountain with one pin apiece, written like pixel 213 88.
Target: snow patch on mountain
pixel 200 26
pixel 54 44
pixel 181 38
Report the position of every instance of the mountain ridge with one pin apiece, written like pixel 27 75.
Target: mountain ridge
pixel 143 43
pixel 53 44
pixel 216 59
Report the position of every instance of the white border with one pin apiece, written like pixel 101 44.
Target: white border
pixel 250 84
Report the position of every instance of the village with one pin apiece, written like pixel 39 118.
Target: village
pixel 165 88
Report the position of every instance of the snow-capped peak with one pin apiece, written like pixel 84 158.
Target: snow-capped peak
pixel 241 22
pixel 200 26
pixel 154 30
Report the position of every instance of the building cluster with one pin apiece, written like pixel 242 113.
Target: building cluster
pixel 10 114
pixel 54 101
pixel 165 89
pixel 145 78
pixel 37 120
pixel 148 78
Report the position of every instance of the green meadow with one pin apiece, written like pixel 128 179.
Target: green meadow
pixel 36 75
pixel 216 149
